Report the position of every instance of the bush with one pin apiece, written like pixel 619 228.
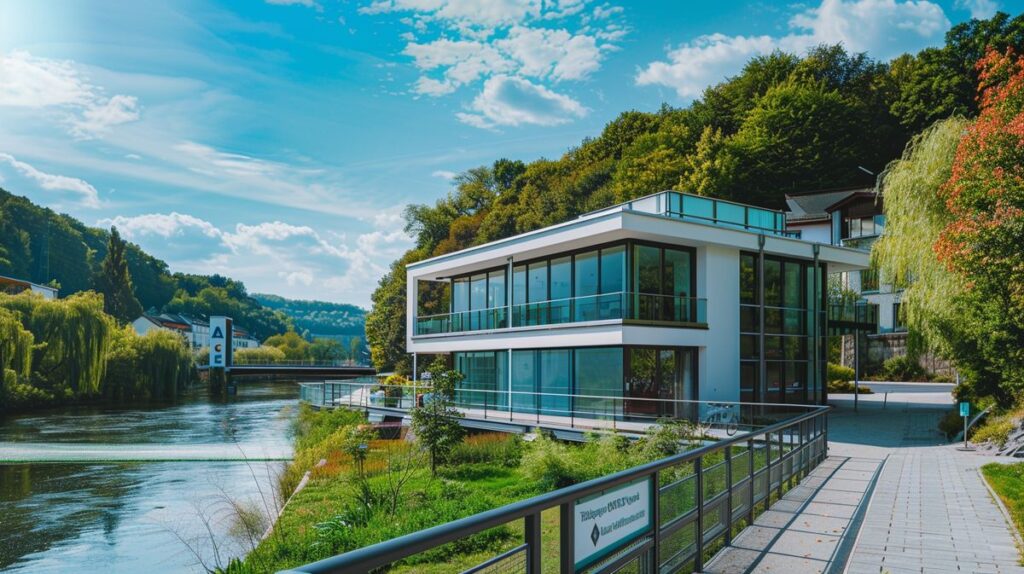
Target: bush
pixel 903 368
pixel 494 448
pixel 843 387
pixel 951 423
pixel 262 355
pixel 996 431
pixel 836 372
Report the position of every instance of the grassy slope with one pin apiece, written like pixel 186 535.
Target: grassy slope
pixel 1008 482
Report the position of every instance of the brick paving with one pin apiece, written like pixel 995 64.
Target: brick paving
pixel 891 498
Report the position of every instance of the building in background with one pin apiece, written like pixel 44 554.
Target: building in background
pixel 13 286
pixel 195 331
pixel 671 296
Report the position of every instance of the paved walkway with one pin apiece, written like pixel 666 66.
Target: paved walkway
pixel 896 497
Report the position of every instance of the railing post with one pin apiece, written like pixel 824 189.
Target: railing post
pixel 782 464
pixel 656 521
pixel 698 469
pixel 750 498
pixel 768 469
pixel 566 538
pixel 533 543
pixel 728 501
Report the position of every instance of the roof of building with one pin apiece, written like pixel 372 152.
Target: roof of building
pixel 24 283
pixel 816 205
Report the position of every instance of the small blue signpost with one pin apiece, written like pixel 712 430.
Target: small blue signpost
pixel 965 411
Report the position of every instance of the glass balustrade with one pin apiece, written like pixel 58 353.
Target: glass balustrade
pixel 603 307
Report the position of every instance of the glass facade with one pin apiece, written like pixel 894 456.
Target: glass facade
pixel 601 382
pixel 781 328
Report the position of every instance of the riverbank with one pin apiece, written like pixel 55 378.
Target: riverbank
pixel 343 508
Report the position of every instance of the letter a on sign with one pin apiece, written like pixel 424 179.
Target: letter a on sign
pixel 217 333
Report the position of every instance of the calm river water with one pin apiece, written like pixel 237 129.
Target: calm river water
pixel 147 517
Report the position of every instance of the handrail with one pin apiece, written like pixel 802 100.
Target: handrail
pixel 384 553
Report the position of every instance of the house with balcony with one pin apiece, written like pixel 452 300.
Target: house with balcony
pixel 670 296
pixel 851 218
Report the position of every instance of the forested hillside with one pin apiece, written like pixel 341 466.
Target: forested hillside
pixel 785 123
pixel 45 247
pixel 318 318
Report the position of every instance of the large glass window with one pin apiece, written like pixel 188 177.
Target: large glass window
pixel 524 381
pixel 478 301
pixel 663 280
pixel 561 290
pixel 555 381
pixel 485 379
pixel 599 374
pixel 587 285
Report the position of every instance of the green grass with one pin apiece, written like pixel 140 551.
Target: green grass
pixel 1008 482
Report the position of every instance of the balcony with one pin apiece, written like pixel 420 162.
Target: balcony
pixel 718 212
pixel 852 316
pixel 645 308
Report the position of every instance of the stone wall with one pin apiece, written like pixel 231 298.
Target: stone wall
pixel 876 349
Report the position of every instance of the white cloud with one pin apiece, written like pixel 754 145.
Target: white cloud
pixel 980 9
pixel 486 13
pixel 511 101
pixel 490 42
pixel 211 160
pixel 306 3
pixel 444 174
pixel 97 120
pixel 90 197
pixel 542 52
pixel 39 83
pixel 310 263
pixel 883 28
pixel 160 224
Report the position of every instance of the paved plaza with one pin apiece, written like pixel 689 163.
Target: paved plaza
pixel 891 497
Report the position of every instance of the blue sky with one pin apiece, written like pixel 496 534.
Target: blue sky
pixel 277 141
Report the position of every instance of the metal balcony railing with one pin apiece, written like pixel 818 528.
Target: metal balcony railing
pixel 679 509
pixel 608 306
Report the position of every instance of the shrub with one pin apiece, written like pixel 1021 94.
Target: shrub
pixel 836 372
pixel 903 368
pixel 951 423
pixel 495 448
pixel 996 431
pixel 843 387
pixel 261 355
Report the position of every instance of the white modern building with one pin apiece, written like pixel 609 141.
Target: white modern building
pixel 671 296
pixel 195 331
pixel 850 218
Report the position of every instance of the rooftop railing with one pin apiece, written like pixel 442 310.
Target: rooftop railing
pixel 679 510
pixel 643 307
pixel 720 212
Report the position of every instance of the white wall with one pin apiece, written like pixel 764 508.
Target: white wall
pixel 816 232
pixel 719 365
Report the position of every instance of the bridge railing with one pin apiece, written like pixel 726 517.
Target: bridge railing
pixel 241 361
pixel 582 412
pixel 666 516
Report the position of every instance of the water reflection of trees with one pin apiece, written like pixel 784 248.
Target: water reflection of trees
pixel 44 504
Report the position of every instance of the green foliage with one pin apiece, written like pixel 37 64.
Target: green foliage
pixel 68 349
pixel 903 368
pixel 203 296
pixel 996 431
pixel 261 355
pixel 489 448
pixel 294 347
pixel 836 372
pixel 1008 482
pixel 435 423
pixel 319 318
pixel 157 365
pixel 114 282
pixel 845 387
pixel 325 350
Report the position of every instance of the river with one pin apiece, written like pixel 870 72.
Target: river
pixel 151 517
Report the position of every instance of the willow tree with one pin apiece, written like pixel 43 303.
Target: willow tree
pixel 915 216
pixel 74 335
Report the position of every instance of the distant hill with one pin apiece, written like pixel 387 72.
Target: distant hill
pixel 46 247
pixel 319 318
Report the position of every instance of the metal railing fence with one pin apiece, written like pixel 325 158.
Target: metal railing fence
pixel 698 500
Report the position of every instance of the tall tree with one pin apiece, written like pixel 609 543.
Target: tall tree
pixel 115 282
